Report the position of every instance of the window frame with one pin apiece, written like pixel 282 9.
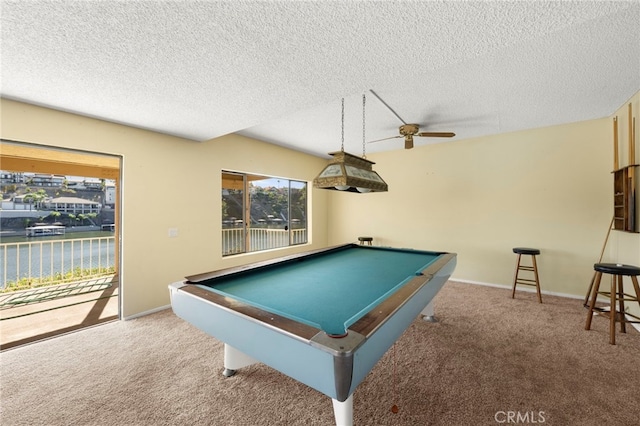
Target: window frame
pixel 252 238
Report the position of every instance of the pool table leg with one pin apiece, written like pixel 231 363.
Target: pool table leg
pixel 234 359
pixel 428 313
pixel 343 411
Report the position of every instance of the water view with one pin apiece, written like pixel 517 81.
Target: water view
pixel 41 257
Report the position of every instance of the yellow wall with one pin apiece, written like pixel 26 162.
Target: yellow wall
pixel 168 182
pixel 548 188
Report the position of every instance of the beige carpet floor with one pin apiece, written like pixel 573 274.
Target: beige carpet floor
pixel 490 360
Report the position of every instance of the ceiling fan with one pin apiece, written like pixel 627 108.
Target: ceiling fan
pixel 408 130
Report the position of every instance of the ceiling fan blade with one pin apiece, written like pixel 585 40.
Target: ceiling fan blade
pixel 436 134
pixel 392 137
pixel 408 142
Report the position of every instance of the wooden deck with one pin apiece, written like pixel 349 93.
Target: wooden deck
pixel 30 322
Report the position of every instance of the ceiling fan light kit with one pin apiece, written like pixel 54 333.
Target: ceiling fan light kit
pixel 348 172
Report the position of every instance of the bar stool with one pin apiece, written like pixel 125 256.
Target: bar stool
pixel 533 268
pixel 364 240
pixel 615 294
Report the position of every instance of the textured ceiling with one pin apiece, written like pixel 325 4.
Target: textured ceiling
pixel 276 70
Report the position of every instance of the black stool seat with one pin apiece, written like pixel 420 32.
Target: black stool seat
pixel 367 240
pixel 524 250
pixel 617 269
pixel 517 279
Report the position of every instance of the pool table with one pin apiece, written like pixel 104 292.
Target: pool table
pixel 323 317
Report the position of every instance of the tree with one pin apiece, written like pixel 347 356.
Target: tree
pixel 35 198
pixel 65 188
pixel 55 215
pixel 91 216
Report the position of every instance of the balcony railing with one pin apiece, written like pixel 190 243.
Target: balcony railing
pixel 41 263
pixel 260 239
pixel 58 261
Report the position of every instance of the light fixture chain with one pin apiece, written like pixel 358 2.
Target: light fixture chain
pixel 364 100
pixel 342 144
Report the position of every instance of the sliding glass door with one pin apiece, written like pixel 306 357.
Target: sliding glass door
pixel 59 244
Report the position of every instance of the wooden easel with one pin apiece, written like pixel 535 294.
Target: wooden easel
pixel 586 298
pixel 631 197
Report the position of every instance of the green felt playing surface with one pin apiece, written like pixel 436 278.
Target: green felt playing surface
pixel 330 291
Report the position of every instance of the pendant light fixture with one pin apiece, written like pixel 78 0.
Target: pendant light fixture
pixel 348 172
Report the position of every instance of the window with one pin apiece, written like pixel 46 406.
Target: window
pixel 262 212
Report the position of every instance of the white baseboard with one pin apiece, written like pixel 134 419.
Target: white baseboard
pixel 145 313
pixel 530 290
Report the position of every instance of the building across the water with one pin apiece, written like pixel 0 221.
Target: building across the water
pixel 72 205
